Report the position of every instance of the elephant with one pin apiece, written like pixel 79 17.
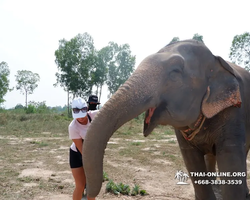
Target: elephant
pixel 202 96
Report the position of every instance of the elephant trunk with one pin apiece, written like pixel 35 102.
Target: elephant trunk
pixel 134 97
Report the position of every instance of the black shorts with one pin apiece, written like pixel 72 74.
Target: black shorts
pixel 75 159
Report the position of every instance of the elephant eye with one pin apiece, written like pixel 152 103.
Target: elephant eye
pixel 175 75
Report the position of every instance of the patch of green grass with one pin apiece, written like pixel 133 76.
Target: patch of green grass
pixel 125 152
pixel 127 132
pixel 8 173
pixel 135 190
pixel 40 144
pixel 124 189
pixel 29 125
pixel 105 176
pixel 171 157
pixel 3 119
pixel 111 187
pixel 136 143
pixel 172 141
pixel 160 137
pixel 25 179
pixel 169 132
pixel 143 192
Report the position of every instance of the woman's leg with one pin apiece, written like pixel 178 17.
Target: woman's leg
pixel 80 181
pixel 78 173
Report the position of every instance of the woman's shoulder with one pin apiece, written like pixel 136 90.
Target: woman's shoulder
pixel 92 113
pixel 72 123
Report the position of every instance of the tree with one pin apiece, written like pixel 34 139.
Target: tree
pixel 99 76
pixel 75 60
pixel 175 39
pixel 198 37
pixel 26 82
pixel 120 66
pixel 240 50
pixel 4 81
pixel 19 106
pixel 195 37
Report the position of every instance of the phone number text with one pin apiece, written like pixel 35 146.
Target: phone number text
pixel 218 182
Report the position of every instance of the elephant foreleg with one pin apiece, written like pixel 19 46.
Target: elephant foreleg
pixel 231 159
pixel 194 161
pixel 210 161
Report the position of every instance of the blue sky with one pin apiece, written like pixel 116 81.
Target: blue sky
pixel 30 31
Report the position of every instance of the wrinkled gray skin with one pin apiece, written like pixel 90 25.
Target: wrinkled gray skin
pixel 174 86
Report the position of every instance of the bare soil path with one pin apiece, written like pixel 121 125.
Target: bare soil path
pixel 36 167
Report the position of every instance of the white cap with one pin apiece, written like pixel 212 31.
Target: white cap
pixel 78 103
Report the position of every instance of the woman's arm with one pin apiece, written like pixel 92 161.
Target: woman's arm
pixel 78 143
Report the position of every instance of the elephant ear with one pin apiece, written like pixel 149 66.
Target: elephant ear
pixel 223 89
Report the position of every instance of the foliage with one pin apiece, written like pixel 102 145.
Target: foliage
pixel 105 176
pixel 175 39
pixel 111 187
pixel 81 66
pixel 26 82
pixel 19 106
pixel 120 188
pixel 135 190
pixel 37 107
pixel 99 75
pixel 240 50
pixel 143 192
pixel 76 60
pixel 198 37
pixel 59 109
pixel 121 66
pixel 4 81
pixel 124 189
pixel 30 109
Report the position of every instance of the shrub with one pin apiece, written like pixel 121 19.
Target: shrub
pixel 135 190
pixel 3 119
pixel 111 187
pixel 143 192
pixel 105 176
pixel 30 109
pixel 37 107
pixel 124 189
pixel 19 106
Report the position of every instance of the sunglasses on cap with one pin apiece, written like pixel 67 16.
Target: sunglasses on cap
pixel 77 110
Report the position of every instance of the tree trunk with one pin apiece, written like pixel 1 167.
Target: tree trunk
pixel 97 88
pixel 100 93
pixel 68 104
pixel 26 96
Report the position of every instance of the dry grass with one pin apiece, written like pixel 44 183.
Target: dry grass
pixel 34 160
pixel 34 155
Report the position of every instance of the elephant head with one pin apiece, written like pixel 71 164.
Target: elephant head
pixel 174 86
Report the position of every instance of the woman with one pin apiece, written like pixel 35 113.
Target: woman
pixel 77 132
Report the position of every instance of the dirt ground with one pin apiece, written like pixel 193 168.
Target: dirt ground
pixel 36 167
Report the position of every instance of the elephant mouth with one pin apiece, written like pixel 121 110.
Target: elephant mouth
pixel 187 132
pixel 148 125
pixel 150 114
